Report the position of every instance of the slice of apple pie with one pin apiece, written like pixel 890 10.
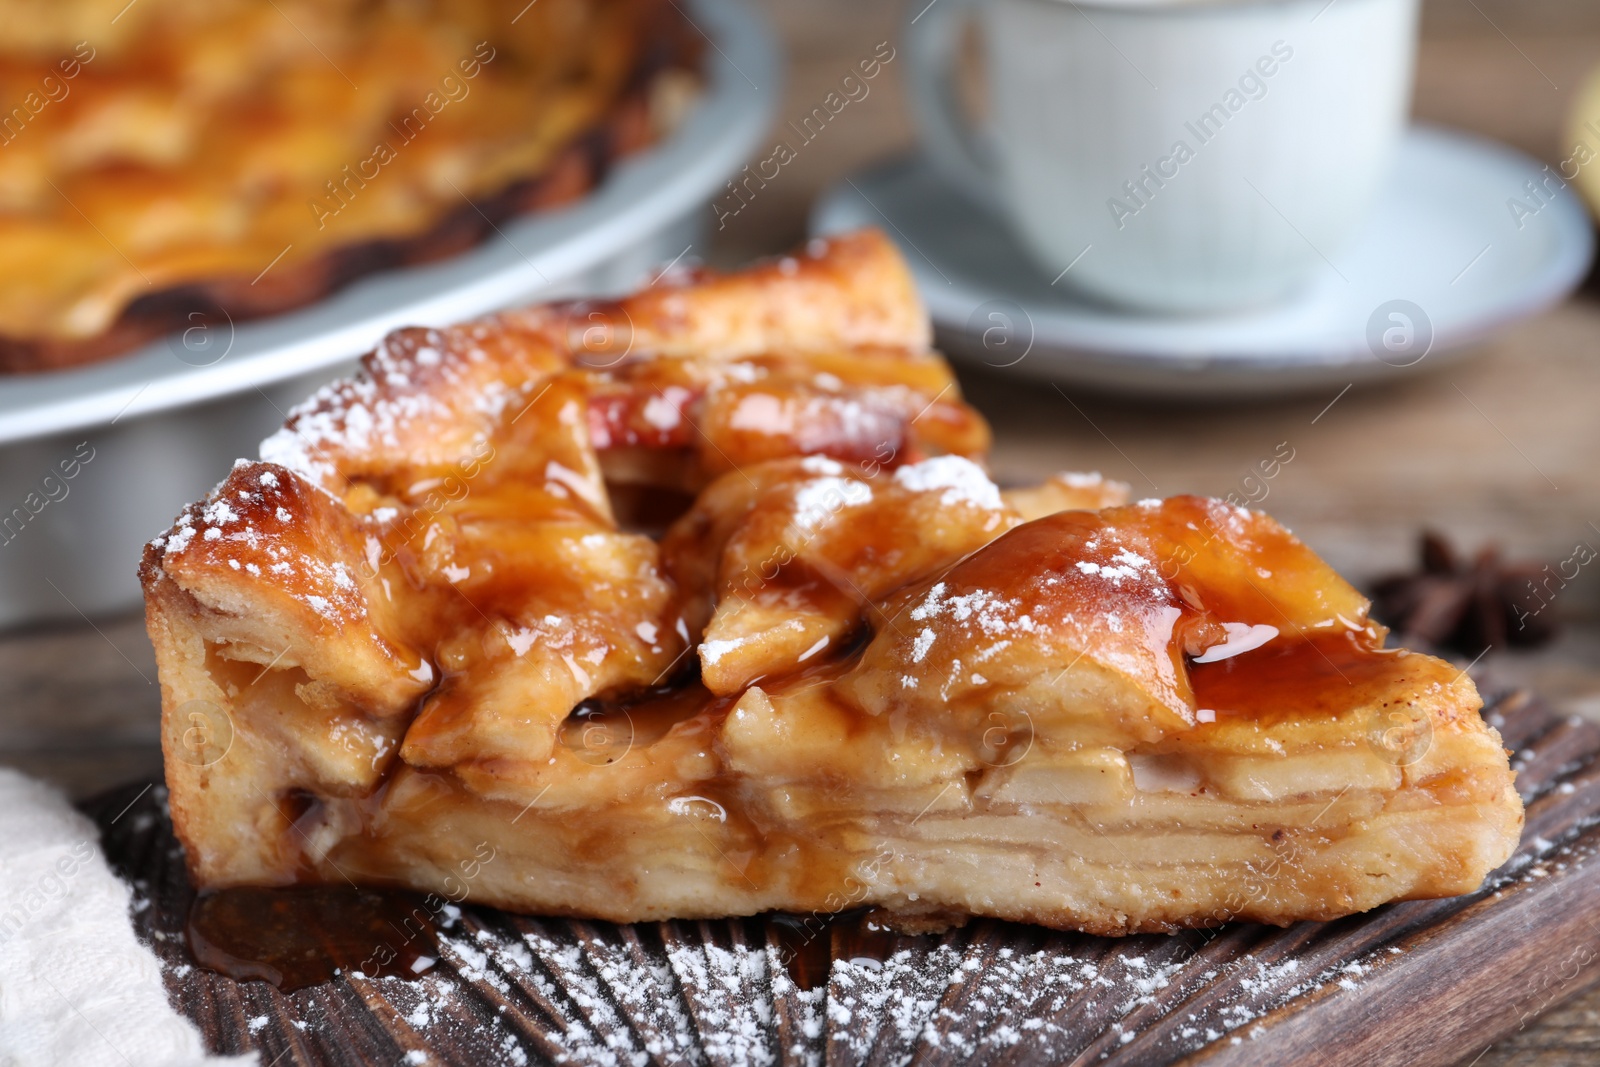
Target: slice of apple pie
pixel 699 603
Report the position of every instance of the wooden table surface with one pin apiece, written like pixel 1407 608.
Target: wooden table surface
pixel 1503 447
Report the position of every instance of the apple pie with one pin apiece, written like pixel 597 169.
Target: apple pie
pixel 243 157
pixel 701 603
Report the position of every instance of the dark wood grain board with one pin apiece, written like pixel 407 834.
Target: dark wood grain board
pixel 1432 982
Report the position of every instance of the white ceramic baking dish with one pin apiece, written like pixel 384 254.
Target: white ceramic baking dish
pixel 97 460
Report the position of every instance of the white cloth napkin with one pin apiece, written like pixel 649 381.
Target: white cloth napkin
pixel 77 989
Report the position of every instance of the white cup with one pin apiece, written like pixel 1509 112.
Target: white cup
pixel 1184 156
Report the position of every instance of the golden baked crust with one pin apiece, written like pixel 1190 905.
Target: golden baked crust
pixel 435 624
pixel 246 157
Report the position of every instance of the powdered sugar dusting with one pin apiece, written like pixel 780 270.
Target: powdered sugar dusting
pixel 1123 565
pixel 961 481
pixel 821 465
pixel 712 651
pixel 991 618
pixel 735 1025
pixel 348 417
pixel 249 524
pixel 819 500
pixel 414 383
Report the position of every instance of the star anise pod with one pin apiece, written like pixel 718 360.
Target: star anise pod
pixel 1469 606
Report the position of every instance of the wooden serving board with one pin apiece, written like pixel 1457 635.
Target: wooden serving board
pixel 1417 984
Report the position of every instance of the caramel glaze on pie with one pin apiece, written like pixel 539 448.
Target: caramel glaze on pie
pixel 178 156
pixel 439 621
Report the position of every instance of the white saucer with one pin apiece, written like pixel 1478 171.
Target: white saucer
pixel 1440 264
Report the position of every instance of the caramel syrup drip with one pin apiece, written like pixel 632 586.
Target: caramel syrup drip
pixel 808 944
pixel 1291 678
pixel 603 728
pixel 305 935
